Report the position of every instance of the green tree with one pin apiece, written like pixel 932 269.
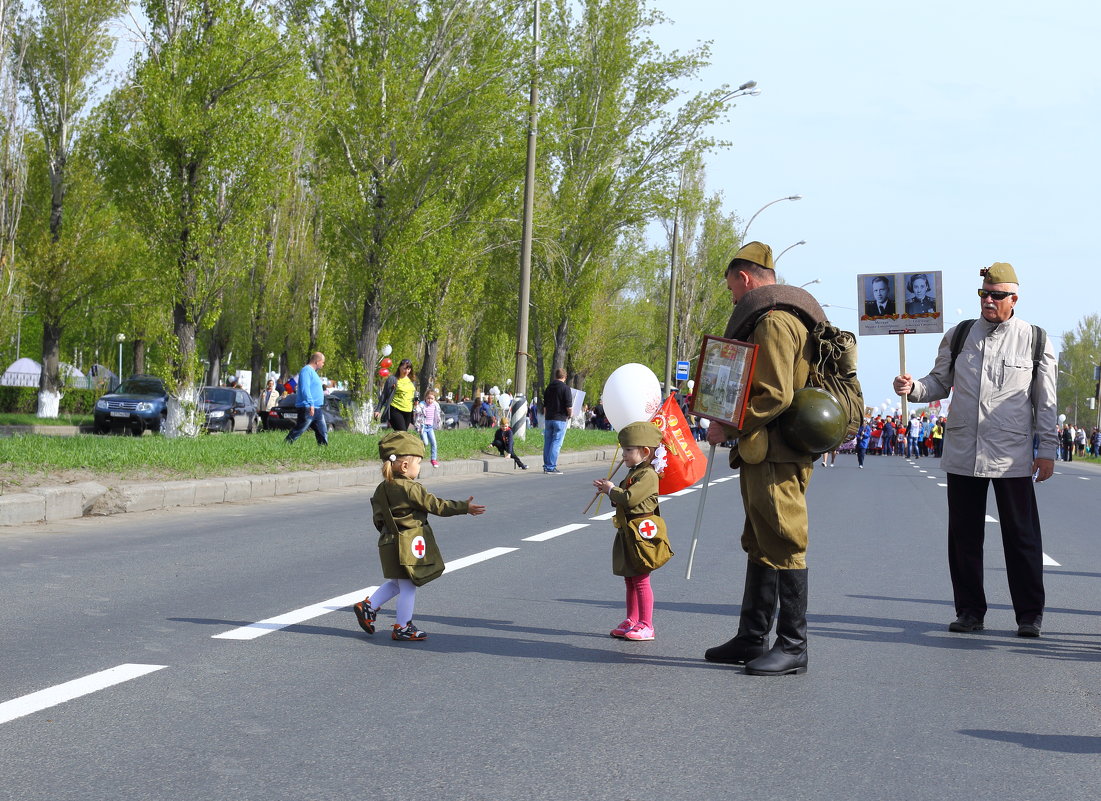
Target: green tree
pixel 612 144
pixel 12 166
pixel 1081 353
pixel 65 44
pixel 417 98
pixel 188 145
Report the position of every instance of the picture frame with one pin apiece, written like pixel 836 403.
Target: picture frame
pixel 724 372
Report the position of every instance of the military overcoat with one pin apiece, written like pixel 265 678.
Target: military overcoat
pixel 410 504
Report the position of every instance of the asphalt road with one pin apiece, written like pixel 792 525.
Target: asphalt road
pixel 519 692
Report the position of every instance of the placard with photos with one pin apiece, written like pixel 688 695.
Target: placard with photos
pixel 723 376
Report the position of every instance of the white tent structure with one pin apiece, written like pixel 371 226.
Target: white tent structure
pixel 23 372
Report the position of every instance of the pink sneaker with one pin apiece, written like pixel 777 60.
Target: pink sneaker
pixel 435 463
pixel 622 629
pixel 640 632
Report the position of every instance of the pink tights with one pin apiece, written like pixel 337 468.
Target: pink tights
pixel 640 599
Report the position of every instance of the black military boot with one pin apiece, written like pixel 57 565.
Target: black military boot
pixel 758 609
pixel 789 654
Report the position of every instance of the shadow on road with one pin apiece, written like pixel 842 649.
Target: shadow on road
pixel 1063 743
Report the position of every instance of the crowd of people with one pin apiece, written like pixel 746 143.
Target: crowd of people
pixel 1076 442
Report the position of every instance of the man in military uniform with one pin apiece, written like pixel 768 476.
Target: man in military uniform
pixel 1001 400
pixel 774 476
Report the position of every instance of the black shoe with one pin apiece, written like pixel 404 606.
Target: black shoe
pixel 409 633
pixel 755 621
pixel 965 623
pixel 554 472
pixel 1029 629
pixel 365 615
pixel 788 655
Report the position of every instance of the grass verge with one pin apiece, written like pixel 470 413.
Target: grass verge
pixel 13 419
pixel 28 459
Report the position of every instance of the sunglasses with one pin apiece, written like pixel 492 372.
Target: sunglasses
pixel 986 293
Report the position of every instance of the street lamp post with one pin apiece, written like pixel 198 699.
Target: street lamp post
pixel 754 217
pixel 808 283
pixel 789 247
pixel 120 338
pixel 747 89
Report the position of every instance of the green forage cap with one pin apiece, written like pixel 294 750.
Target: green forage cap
pixel 757 252
pixel 400 443
pixel 999 272
pixel 640 435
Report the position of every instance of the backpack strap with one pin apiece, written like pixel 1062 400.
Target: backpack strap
pixel 1039 343
pixel 958 339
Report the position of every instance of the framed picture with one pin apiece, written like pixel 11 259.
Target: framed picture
pixel 723 375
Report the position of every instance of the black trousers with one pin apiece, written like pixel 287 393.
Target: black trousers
pixel 1024 556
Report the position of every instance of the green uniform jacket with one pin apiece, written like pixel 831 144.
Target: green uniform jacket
pixel 636 495
pixel 783 366
pixel 410 504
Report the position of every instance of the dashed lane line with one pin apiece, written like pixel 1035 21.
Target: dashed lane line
pixel 262 627
pixel 1048 561
pixel 294 617
pixel 556 532
pixel 59 694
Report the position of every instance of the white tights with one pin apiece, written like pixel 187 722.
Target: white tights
pixel 406 591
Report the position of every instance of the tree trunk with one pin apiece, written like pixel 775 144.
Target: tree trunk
pixel 560 344
pixel 367 343
pixel 184 329
pixel 49 381
pixel 139 356
pixel 428 365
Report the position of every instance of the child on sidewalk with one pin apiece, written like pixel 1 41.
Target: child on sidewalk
pixel 406 546
pixel 640 545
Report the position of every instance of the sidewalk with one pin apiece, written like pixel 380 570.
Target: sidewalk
pixel 87 499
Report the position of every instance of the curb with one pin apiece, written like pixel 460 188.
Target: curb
pixel 91 499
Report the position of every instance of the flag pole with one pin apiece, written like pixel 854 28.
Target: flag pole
pixel 699 513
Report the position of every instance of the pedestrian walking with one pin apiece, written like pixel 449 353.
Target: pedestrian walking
pixel 310 402
pixel 406 545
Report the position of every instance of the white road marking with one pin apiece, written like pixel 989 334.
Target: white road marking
pixel 1047 559
pixel 1084 478
pixel 262 627
pixel 724 478
pixel 556 532
pixel 942 485
pixel 678 493
pixel 482 556
pixel 52 696
pixel 605 516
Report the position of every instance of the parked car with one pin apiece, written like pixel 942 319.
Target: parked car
pixel 455 415
pixel 285 415
pixel 138 403
pixel 228 409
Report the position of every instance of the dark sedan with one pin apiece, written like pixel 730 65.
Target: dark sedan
pixel 228 409
pixel 138 403
pixel 285 414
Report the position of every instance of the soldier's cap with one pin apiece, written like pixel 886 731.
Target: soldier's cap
pixel 399 443
pixel 757 252
pixel 999 272
pixel 639 435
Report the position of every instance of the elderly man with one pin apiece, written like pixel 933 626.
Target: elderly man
pixel 1004 378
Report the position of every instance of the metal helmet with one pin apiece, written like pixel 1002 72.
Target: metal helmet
pixel 814 422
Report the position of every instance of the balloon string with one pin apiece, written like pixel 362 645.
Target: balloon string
pixel 611 472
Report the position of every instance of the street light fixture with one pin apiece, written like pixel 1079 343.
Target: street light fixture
pixel 120 338
pixel 754 217
pixel 808 283
pixel 789 247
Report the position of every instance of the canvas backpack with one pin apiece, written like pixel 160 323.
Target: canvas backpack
pixel 834 370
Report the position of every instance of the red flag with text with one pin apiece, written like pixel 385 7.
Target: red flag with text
pixel 679 462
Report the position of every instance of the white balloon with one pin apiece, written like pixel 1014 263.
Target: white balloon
pixel 504 400
pixel 1062 419
pixel 631 393
pixel 467 377
pixel 387 350
pixel 495 390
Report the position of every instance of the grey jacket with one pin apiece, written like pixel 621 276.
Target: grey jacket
pixel 996 406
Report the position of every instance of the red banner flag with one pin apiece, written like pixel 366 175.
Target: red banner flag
pixel 679 461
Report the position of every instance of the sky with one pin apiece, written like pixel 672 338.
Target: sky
pixel 934 136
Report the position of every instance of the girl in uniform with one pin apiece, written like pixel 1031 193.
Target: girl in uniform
pixel 406 546
pixel 640 545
